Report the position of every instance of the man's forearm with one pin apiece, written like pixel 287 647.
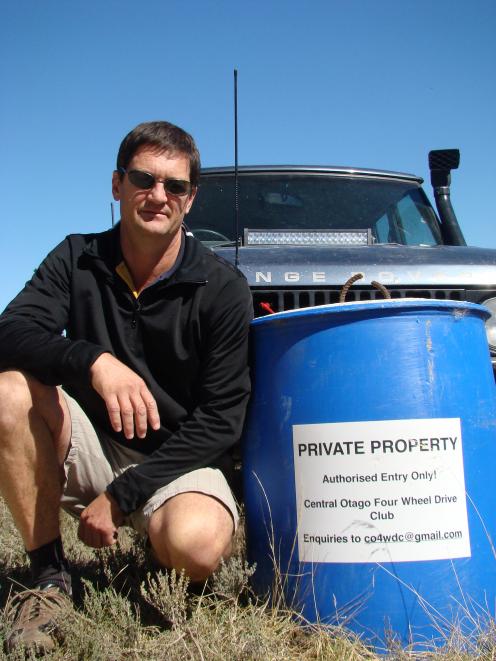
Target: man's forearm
pixel 200 442
pixel 49 357
pixel 32 325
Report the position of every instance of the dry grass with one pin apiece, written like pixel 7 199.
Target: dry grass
pixel 127 610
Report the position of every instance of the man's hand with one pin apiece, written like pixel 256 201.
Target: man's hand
pixel 100 521
pixel 130 404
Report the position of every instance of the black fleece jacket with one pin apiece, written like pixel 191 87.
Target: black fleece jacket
pixel 186 337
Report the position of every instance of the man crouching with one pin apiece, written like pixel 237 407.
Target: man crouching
pixel 127 418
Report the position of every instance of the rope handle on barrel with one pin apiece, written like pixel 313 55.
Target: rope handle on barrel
pixel 359 276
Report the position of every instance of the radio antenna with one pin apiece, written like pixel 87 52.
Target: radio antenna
pixel 112 212
pixel 236 181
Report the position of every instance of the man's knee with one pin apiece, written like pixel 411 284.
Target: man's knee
pixel 15 399
pixel 193 551
pixel 196 543
pixel 20 395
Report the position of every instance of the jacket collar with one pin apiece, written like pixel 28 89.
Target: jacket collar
pixel 104 253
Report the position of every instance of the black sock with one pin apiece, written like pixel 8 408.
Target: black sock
pixel 49 566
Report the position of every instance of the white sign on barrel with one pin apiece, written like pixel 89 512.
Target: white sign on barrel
pixel 380 491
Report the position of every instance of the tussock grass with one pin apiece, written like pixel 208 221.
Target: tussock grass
pixel 127 609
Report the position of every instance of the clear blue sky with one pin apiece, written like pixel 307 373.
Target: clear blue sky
pixel 372 83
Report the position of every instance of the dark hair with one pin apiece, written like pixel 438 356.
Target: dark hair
pixel 165 137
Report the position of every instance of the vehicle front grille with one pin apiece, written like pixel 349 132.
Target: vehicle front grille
pixel 278 300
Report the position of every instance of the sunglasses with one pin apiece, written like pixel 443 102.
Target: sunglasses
pixel 146 181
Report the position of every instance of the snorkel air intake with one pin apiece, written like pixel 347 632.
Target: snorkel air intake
pixel 441 162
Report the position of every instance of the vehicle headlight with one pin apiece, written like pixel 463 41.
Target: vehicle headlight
pixel 491 323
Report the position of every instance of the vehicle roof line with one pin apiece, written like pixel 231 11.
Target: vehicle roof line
pixel 317 169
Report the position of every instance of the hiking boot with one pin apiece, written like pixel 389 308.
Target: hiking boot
pixel 34 615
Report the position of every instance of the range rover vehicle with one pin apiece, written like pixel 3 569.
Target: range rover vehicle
pixel 300 233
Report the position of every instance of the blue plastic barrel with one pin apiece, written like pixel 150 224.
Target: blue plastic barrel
pixel 369 467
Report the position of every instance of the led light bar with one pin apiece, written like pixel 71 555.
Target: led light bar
pixel 307 237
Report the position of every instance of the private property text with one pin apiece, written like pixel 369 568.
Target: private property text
pixel 385 446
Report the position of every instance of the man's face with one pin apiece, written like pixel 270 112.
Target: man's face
pixel 153 212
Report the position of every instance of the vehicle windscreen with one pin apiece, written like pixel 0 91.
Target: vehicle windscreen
pixel 395 211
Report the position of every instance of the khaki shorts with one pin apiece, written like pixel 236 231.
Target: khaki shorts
pixel 94 460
